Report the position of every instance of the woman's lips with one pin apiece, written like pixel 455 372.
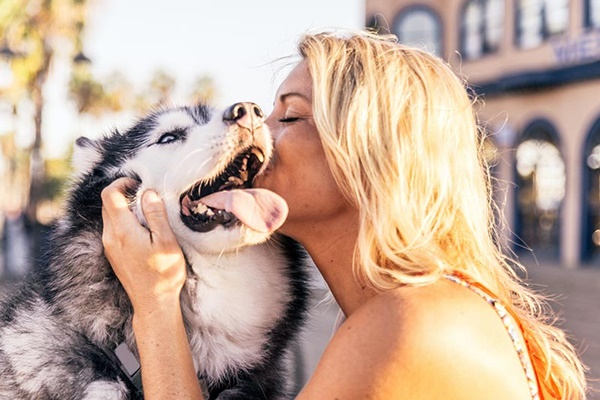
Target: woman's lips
pixel 270 165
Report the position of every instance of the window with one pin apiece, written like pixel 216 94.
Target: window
pixel 541 185
pixel 591 197
pixel 482 27
pixel 540 19
pixel 592 17
pixel 421 27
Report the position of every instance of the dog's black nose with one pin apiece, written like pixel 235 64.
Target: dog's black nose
pixel 247 115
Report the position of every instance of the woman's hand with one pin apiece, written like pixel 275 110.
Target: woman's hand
pixel 150 265
pixel 148 261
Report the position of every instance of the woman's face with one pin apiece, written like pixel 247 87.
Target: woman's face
pixel 298 171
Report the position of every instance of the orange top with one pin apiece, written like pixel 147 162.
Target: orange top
pixel 515 331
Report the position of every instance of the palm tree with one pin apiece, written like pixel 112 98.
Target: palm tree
pixel 32 30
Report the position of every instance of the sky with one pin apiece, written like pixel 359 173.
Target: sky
pixel 236 42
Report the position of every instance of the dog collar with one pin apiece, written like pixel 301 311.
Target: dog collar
pixel 129 366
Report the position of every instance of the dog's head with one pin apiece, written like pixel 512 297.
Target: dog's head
pixel 201 162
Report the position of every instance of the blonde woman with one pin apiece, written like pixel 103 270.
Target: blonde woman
pixel 377 153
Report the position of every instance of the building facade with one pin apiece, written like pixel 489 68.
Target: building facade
pixel 535 64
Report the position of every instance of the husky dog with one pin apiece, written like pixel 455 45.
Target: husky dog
pixel 245 297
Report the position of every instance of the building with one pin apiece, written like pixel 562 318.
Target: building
pixel 536 66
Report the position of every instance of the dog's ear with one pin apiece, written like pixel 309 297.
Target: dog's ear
pixel 86 155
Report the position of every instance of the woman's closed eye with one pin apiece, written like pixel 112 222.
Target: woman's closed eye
pixel 287 120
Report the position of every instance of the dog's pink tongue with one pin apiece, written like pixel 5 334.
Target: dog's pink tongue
pixel 259 209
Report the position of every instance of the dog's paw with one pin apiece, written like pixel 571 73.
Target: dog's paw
pixel 105 390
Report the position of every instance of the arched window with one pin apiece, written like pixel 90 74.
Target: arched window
pixel 592 13
pixel 482 27
pixel 539 19
pixel 590 240
pixel 421 27
pixel 541 183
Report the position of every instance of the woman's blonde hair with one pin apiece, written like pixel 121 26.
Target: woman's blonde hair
pixel 401 138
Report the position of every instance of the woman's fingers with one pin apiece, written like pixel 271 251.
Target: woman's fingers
pixel 117 217
pixel 120 223
pixel 156 217
pixel 115 206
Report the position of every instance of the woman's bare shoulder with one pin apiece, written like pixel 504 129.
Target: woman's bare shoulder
pixel 435 341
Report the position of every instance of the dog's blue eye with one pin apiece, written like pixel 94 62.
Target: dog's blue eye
pixel 166 138
pixel 171 136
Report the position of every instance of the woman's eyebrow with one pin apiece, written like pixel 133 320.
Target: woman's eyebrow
pixel 283 97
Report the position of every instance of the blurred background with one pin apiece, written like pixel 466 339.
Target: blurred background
pixel 72 68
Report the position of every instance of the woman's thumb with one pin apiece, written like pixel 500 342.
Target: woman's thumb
pixel 155 213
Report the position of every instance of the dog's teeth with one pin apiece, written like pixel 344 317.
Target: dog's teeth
pixel 209 212
pixel 201 208
pixel 258 155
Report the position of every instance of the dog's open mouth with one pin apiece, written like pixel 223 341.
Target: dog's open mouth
pixel 237 175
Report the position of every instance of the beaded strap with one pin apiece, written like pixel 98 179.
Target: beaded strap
pixel 513 331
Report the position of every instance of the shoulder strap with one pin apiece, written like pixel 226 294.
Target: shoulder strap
pixel 527 355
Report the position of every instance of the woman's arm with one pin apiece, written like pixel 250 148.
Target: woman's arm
pixel 151 267
pixel 167 367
